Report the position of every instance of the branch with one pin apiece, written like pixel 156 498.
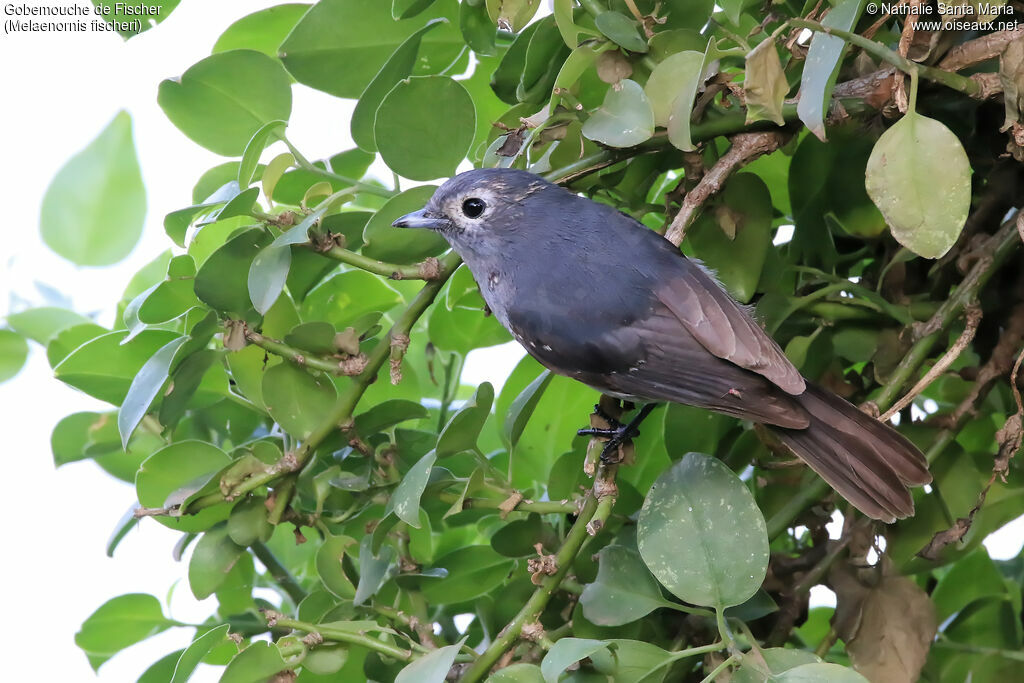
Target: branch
pixel 950 80
pixel 973 320
pixel 745 148
pixel 279 572
pixel 352 365
pixel 428 269
pixel 347 401
pixel 980 49
pixel 998 248
pixel 595 511
pixel 338 635
pixel 542 507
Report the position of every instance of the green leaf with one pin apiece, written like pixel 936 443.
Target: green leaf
pixel 473 570
pixel 347 297
pixel 477 28
pixel 682 106
pixel 176 470
pixel 405 500
pixel 268 274
pixel 262 31
pixel 517 673
pixel 267 134
pixel 297 400
pixel 331 569
pixel 401 245
pixel 93 210
pixel 544 56
pixel 622 30
pixel 145 387
pixel 624 120
pixel 432 667
pixel 339 45
pixel 744 211
pixel 388 414
pixel 623 591
pixel 406 132
pixel 632 660
pixel 374 570
pixel 566 652
pixel 672 77
pixel 822 66
pixel 404 9
pixel 248 522
pixel 105 366
pixel 66 341
pixel 702 535
pixel 506 77
pixel 13 354
pixel 925 210
pixel 273 172
pixel 974 577
pixel 42 324
pixel 255 664
pixel 399 65
pixel 562 10
pixel 463 429
pixel 161 670
pixel 820 673
pixel 220 102
pixel 118 623
pixel 223 280
pixel 523 406
pixel 214 556
pixel 764 84
pixel 778 660
pixel 512 15
pixel 193 655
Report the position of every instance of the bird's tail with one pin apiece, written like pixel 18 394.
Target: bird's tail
pixel 868 462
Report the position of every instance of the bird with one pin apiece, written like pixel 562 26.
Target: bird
pixel 595 295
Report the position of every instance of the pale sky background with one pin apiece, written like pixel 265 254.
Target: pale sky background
pixel 59 92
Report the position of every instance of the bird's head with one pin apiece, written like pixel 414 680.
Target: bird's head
pixel 480 208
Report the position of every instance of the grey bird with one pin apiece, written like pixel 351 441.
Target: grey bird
pixel 594 295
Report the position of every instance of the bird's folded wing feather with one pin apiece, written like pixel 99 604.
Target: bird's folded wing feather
pixel 673 366
pixel 724 328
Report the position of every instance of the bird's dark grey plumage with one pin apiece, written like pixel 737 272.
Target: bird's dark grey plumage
pixel 595 295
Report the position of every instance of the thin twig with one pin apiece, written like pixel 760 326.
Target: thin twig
pixel 948 358
pixel 746 147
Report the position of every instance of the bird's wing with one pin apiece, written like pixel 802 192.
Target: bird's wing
pixel 724 328
pixel 670 365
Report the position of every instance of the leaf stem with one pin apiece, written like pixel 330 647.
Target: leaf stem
pixel 720 668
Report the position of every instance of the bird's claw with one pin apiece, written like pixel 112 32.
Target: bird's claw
pixel 617 434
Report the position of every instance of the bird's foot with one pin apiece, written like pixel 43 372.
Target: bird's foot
pixel 616 435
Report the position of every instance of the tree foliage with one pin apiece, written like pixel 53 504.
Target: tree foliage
pixel 285 379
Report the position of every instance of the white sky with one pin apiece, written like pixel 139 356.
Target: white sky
pixel 60 91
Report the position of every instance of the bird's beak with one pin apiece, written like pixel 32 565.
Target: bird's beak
pixel 420 219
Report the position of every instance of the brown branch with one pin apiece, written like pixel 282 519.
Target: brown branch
pixel 980 49
pixel 973 320
pixel 746 147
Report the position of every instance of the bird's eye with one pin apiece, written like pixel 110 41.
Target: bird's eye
pixel 473 207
